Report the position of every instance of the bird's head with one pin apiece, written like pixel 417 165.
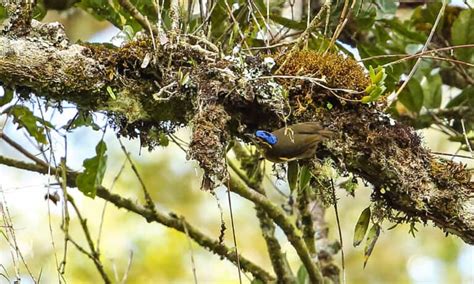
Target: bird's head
pixel 263 139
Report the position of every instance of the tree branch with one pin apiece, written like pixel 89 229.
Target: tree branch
pixel 278 259
pixel 279 217
pixel 387 154
pixel 171 220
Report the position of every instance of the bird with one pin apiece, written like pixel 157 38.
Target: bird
pixel 294 142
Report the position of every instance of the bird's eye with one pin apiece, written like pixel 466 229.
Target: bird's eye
pixel 266 137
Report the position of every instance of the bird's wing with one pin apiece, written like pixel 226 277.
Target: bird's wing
pixel 306 127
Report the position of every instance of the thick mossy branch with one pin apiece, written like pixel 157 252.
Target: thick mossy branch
pixel 405 175
pixel 149 92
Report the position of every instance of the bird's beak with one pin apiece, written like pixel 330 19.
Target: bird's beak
pixel 251 137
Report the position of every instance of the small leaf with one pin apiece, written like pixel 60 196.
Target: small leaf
pixel 288 23
pixel 412 96
pixel 412 229
pixel 386 9
pixel 350 185
pixel 292 175
pixel 305 177
pixel 301 275
pixel 463 33
pixel 3 13
pixel 361 226
pixel 25 118
pixel 111 93
pixel 406 31
pixel 374 95
pixel 465 98
pixel 7 97
pixel 372 237
pixel 163 140
pixel 365 18
pixel 379 76
pixel 413 48
pixel 372 73
pixel 81 119
pixel 94 170
pixel 432 94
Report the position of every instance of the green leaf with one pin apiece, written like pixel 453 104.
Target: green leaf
pixel 94 170
pixel 111 11
pixel 350 185
pixel 413 48
pixel 3 13
pixel 377 84
pixel 83 118
pixel 292 175
pixel 25 118
pixel 432 90
pixel 465 98
pixel 39 11
pixel 7 96
pixel 305 177
pixel 375 93
pixel 301 275
pixel 288 23
pixel 462 32
pixel 163 140
pixel 387 8
pixel 111 93
pixel 361 227
pixel 404 30
pixel 256 281
pixel 412 96
pixel 426 15
pixel 372 73
pixel 366 17
pixel 372 238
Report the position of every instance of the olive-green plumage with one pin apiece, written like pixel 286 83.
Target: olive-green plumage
pixel 297 141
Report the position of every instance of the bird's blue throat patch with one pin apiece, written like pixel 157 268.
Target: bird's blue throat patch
pixel 266 136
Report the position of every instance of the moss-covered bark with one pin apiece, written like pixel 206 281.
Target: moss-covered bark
pixel 150 91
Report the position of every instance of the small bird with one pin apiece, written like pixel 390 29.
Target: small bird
pixel 294 142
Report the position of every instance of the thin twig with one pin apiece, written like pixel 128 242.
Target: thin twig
pixel 137 15
pixel 466 139
pixel 236 24
pixel 304 36
pixel 191 253
pixel 336 212
pixel 102 215
pixel 416 55
pixel 22 150
pixel 129 265
pixel 418 61
pixel 284 223
pixel 170 219
pixel 229 199
pixel 452 155
pixel 94 254
pixel 342 22
pixel 277 258
pixel 316 81
pixel 149 201
pixel 5 212
pixel 59 169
